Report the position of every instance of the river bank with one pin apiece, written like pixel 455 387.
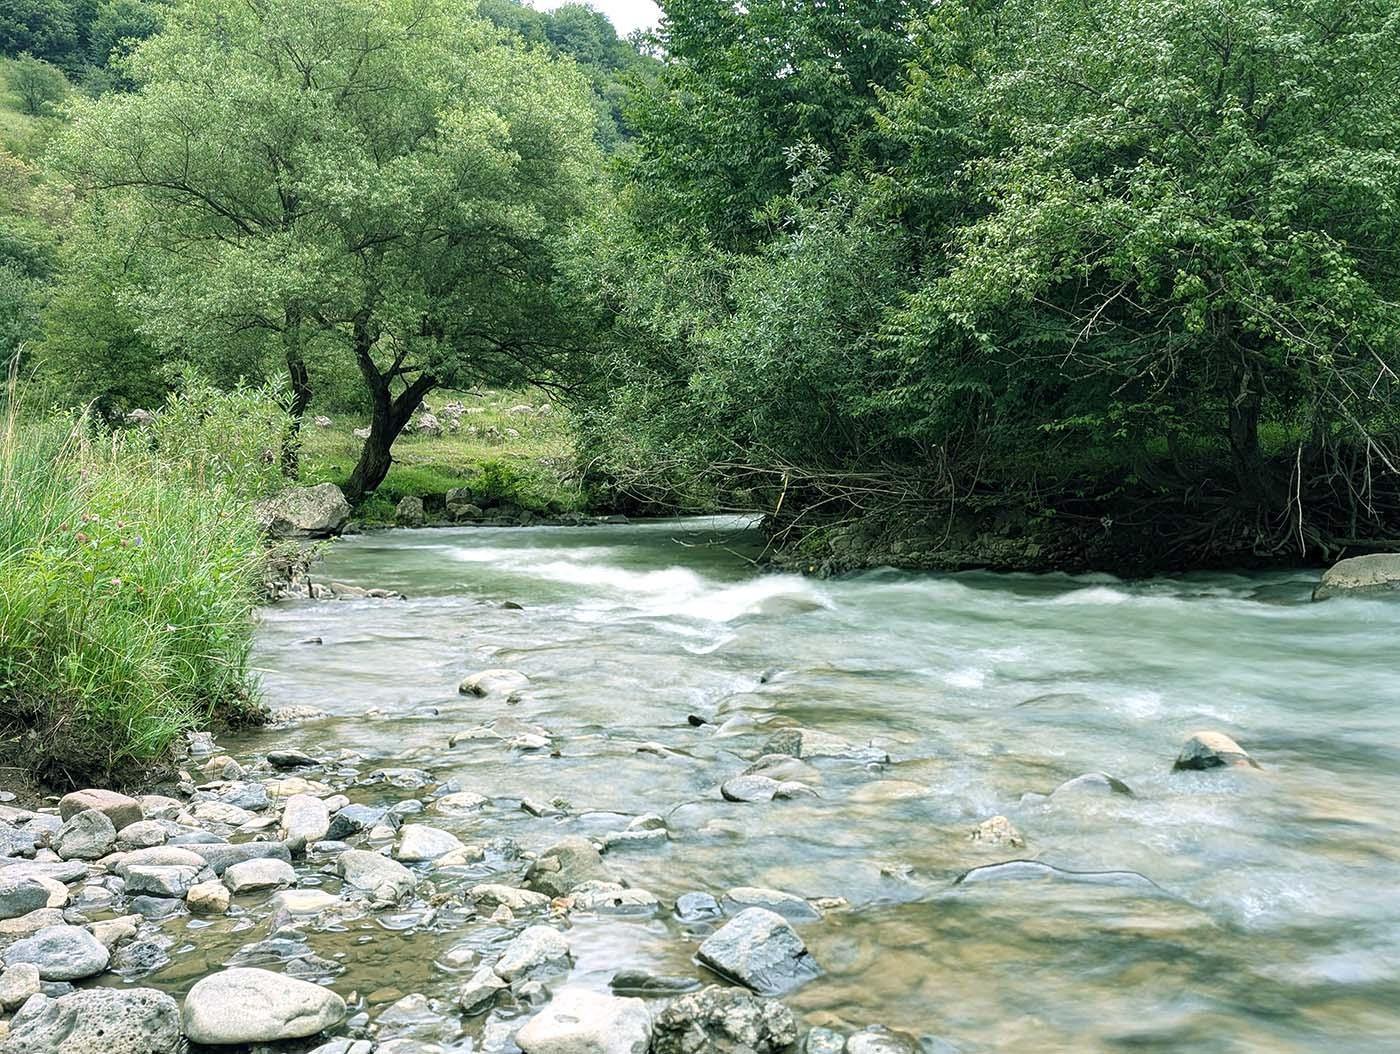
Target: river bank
pixel 836 752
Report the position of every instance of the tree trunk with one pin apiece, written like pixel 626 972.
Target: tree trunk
pixel 1246 459
pixel 390 416
pixel 300 380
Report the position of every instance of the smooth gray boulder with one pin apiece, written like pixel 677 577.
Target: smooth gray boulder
pixel 86 835
pixel 118 808
pixel 156 881
pixel 564 865
pixel 305 819
pixel 304 512
pixel 760 950
pixel 20 895
pixel 723 1021
pixel 419 843
pixel 220 855
pixel 98 1021
pixel 62 953
pixel 536 950
pixel 788 905
pixel 582 1021
pixel 248 876
pixel 1212 750
pixel 382 878
pixel 247 1005
pixel 1371 575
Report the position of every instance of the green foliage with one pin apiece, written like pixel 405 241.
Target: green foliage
pixel 37 84
pixel 127 579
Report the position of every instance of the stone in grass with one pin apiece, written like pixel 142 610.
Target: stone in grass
pixel 578 1020
pixel 62 953
pixel 1212 750
pixel 98 1021
pixel 247 1005
pixel 760 950
pixel 723 1019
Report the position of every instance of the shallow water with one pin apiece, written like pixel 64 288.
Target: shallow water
pixel 1274 922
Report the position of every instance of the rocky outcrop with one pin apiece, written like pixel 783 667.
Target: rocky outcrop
pixel 304 512
pixel 1376 574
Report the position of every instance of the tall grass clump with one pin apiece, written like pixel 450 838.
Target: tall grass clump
pixel 129 568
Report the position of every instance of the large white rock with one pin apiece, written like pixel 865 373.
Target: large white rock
pixel 580 1021
pixel 304 512
pixel 248 876
pixel 305 819
pixel 419 842
pixel 245 1005
pixel 1361 575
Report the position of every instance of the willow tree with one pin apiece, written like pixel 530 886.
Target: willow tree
pixel 384 181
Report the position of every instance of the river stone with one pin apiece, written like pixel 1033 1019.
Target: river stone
pixel 86 835
pixel 997 832
pixel 304 512
pixel 247 1005
pixel 245 795
pixel 537 950
pixel 1360 576
pixel 749 788
pixel 99 1021
pixel 581 1021
pixel 617 901
pixel 118 808
pixel 16 843
pixel 382 878
pixel 247 876
pixel 160 881
pixel 1212 750
pixel 222 812
pixel 62 953
pixel 642 982
pixel 290 759
pixel 564 865
pixel 759 949
pixel 353 819
pixel 58 870
pixel 409 511
pixel 823 1041
pixel 880 1040
pixel 478 993
pixel 21 895
pixel 17 984
pixel 696 907
pixel 1034 870
pixel 220 855
pixel 493 895
pixel 142 835
pixel 28 925
pixel 158 856
pixel 787 905
pixel 460 803
pixel 112 932
pixel 723 1021
pixel 485 683
pixel 418 842
pixel 1092 784
pixel 305 819
pixel 209 898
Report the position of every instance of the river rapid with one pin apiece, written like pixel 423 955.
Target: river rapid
pixel 1273 919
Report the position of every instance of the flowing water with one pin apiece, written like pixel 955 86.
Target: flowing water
pixel 1274 921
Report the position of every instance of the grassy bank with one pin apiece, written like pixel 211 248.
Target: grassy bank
pixel 128 570
pixel 503 452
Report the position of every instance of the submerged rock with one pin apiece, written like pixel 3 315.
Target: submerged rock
pixel 581 1021
pixel 997 832
pixel 787 905
pixel 98 1021
pixel 723 1021
pixel 377 875
pixel 247 1005
pixel 565 864
pixel 760 950
pixel 1034 870
pixel 1093 784
pixel 880 1040
pixel 537 950
pixel 1377 573
pixel 1212 750
pixel 485 683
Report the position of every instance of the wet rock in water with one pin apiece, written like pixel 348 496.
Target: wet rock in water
pixel 506 683
pixel 640 982
pixel 86 835
pixel 617 901
pixel 304 512
pixel 882 791
pixel 98 1021
pixel 759 949
pixel 118 808
pixel 248 1005
pixel 823 1041
pixel 997 832
pixel 353 819
pixel 565 864
pixel 17 984
pixel 248 876
pixel 492 895
pixel 1034 870
pixel 783 768
pixel 1092 784
pixel 697 907
pixel 880 1040
pixel 808 743
pixel 418 1018
pixel 382 878
pixel 402 777
pixel 62 953
pixel 538 950
pixel 305 819
pixel 290 716
pixel 219 856
pixel 581 1021
pixel 155 881
pixel 344 1046
pixel 209 898
pixel 419 843
pixel 615 841
pixel 19 896
pixel 291 759
pixel 159 856
pixel 478 993
pixel 1378 573
pixel 1212 750
pixel 142 835
pixel 409 511
pixel 749 789
pixel 460 803
pixel 723 1021
pixel 112 932
pixel 785 904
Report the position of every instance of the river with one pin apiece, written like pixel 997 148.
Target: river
pixel 1274 922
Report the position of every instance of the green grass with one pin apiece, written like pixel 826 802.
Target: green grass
pixel 532 469
pixel 127 585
